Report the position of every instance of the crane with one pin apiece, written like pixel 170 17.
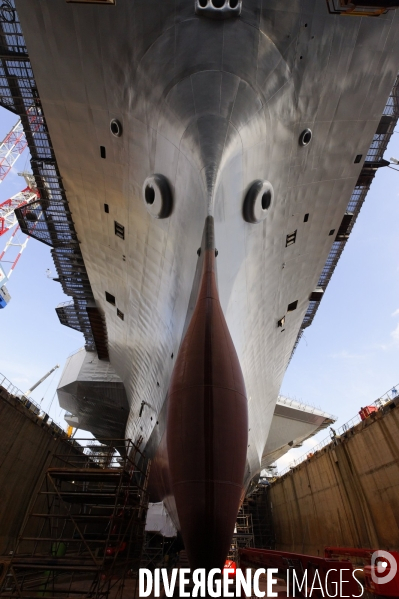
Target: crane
pixel 11 148
pixel 8 220
pixel 29 391
pixel 15 143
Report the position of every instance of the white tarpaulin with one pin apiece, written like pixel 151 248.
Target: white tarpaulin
pixel 158 520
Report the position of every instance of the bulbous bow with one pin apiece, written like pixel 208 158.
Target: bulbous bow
pixel 207 426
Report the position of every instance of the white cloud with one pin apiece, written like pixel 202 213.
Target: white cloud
pixel 396 313
pixel 395 334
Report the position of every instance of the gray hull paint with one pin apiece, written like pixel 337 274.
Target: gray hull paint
pixel 213 106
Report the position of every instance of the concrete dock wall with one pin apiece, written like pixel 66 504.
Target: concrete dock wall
pixel 27 445
pixel 347 494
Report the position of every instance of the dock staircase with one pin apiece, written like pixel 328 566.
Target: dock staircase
pixel 84 530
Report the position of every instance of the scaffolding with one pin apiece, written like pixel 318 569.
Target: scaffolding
pixel 243 532
pixel 259 507
pixel 84 530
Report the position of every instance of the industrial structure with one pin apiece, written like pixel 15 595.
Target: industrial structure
pixel 199 168
pixel 11 148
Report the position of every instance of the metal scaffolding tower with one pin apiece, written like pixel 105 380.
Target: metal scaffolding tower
pixel 84 531
pixel 259 507
pixel 243 533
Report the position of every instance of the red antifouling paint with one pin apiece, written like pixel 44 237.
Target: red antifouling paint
pixel 207 426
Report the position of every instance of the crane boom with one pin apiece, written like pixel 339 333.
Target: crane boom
pixel 11 148
pixel 15 143
pixel 7 216
pixel 29 391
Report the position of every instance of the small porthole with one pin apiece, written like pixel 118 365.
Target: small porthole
pixel 203 3
pixel 106 208
pixel 332 232
pixel 218 3
pixel 233 3
pixel 306 218
pixel 305 137
pixel 116 128
pixel 293 306
pixel 171 356
pixel 149 195
pixel 120 314
pixel 103 153
pixel 110 298
pixel 358 158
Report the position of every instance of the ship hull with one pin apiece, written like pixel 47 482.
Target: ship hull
pixel 213 106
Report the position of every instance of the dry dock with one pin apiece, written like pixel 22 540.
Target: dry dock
pixel 346 494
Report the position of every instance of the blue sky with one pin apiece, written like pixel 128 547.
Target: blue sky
pixel 346 359
pixel 32 338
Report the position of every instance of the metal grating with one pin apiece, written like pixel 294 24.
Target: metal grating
pixel 73 314
pixel 375 153
pixel 47 219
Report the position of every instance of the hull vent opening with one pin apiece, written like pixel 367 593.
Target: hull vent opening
pixel 218 9
pixel 110 298
pixel 119 230
pixel 290 239
pixel 316 295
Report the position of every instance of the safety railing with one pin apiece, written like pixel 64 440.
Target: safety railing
pixel 30 404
